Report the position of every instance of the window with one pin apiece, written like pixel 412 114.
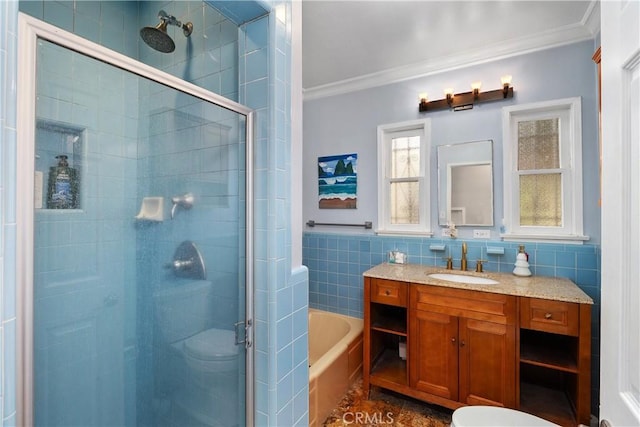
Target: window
pixel 403 169
pixel 542 149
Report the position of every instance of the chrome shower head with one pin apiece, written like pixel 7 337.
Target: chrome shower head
pixel 157 37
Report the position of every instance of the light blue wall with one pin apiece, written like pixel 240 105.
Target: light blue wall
pixel 347 124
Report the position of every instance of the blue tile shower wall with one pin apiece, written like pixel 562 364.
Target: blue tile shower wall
pixel 336 263
pixel 8 138
pixel 95 21
pixel 280 334
pixel 212 65
pixel 207 58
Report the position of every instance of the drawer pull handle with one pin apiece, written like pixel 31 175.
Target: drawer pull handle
pixel 548 316
pixel 462 343
pixel 453 340
pixel 387 293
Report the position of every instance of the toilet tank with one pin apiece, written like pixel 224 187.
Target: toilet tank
pixel 183 308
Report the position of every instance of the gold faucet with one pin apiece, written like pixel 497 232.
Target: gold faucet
pixel 463 261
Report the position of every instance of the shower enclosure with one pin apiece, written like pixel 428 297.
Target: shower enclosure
pixel 135 306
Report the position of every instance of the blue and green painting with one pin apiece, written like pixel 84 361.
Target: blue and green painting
pixel 337 181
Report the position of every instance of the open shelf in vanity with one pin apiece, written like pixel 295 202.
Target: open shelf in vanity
pixel 387 313
pixel 555 360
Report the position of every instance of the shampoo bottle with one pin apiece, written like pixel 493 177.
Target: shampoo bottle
pixel 63 186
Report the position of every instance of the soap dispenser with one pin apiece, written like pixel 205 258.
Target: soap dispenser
pixel 63 186
pixel 522 263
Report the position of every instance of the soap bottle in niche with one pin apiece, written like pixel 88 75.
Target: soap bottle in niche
pixel 63 186
pixel 522 263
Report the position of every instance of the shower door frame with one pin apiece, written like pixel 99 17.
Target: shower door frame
pixel 29 31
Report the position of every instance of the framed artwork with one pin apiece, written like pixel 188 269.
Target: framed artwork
pixel 337 181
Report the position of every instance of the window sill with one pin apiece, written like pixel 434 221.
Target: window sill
pixel 552 238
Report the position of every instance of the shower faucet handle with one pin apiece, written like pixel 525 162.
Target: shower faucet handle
pixel 179 264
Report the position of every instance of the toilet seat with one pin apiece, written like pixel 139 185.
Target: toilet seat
pixel 211 352
pixel 494 416
pixel 212 344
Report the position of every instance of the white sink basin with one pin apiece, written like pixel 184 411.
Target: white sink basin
pixel 460 278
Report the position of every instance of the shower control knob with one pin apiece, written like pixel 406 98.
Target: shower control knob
pixel 180 264
pixel 187 262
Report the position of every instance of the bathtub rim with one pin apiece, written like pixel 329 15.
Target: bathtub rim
pixel 356 328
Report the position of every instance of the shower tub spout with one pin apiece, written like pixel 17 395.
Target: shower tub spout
pixel 186 201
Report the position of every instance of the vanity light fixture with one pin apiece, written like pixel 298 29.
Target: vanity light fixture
pixel 465 100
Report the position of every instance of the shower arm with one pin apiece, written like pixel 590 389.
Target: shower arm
pixel 172 20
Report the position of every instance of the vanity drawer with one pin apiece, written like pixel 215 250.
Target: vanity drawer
pixel 477 305
pixel 550 316
pixel 389 292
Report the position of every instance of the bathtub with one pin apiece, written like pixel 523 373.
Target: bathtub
pixel 335 360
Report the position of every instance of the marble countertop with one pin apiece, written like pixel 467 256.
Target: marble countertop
pixel 545 287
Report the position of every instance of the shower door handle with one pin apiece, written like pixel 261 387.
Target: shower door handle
pixel 241 329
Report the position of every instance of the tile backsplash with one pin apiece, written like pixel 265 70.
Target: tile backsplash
pixel 336 263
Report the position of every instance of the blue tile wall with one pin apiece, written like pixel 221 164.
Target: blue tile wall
pixel 8 138
pixel 281 294
pixel 68 264
pixel 114 129
pixel 336 263
pixel 212 66
pixel 255 36
pixel 207 58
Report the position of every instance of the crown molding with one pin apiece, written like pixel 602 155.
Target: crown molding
pixel 569 34
pixel 591 18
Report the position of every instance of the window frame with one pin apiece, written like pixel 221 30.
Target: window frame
pixel 569 114
pixel 386 133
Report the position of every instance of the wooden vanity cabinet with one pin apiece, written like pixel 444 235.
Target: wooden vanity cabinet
pixel 462 346
pixel 466 347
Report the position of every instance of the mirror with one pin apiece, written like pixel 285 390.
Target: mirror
pixel 465 183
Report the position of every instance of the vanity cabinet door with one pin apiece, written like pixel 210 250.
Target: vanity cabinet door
pixel 487 363
pixel 433 366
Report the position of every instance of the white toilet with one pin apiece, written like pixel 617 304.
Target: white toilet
pixel 209 353
pixel 208 395
pixel 197 365
pixel 495 416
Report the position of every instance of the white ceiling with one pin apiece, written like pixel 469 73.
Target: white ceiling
pixel 351 45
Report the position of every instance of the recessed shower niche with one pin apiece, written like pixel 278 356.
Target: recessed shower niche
pixel 58 166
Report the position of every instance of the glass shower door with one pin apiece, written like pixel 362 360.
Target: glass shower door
pixel 139 250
